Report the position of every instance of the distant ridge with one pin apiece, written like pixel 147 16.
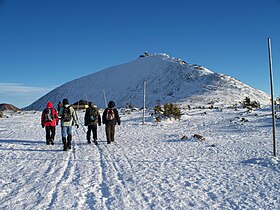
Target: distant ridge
pixel 168 80
pixel 5 107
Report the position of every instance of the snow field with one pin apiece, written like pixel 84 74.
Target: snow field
pixel 148 167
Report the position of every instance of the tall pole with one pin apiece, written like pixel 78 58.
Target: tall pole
pixel 105 100
pixel 144 101
pixel 272 100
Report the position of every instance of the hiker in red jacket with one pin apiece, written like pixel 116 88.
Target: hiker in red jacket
pixel 49 120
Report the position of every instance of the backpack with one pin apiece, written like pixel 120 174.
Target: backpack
pixel 66 114
pixel 110 115
pixel 48 115
pixel 92 115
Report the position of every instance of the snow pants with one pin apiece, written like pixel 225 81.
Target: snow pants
pixel 110 133
pixel 50 134
pixel 93 129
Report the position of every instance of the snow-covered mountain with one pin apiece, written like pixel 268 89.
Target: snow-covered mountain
pixel 168 80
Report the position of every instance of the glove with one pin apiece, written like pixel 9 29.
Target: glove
pixel 119 123
pixel 77 125
pixel 99 124
pixel 43 126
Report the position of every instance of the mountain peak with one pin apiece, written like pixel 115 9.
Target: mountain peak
pixel 168 80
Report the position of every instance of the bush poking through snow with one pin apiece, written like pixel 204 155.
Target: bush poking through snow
pixel 168 111
pixel 247 103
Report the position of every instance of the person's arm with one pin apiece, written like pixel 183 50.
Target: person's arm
pixel 117 117
pixel 86 118
pixel 104 121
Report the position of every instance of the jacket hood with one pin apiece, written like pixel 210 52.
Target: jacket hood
pixel 50 105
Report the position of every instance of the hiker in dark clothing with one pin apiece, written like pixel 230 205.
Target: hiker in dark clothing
pixel 49 119
pixel 110 118
pixel 59 105
pixel 92 118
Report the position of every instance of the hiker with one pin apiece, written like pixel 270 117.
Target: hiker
pixel 49 119
pixel 110 118
pixel 68 117
pixel 59 105
pixel 92 118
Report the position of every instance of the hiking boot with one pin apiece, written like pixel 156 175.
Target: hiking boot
pixel 51 141
pixel 88 141
pixel 95 141
pixel 69 142
pixel 64 144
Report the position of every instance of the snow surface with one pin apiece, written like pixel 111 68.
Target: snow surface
pixel 149 166
pixel 168 80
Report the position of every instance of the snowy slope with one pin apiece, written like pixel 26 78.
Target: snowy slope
pixel 168 80
pixel 148 167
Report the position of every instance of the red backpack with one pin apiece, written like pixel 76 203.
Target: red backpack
pixel 110 115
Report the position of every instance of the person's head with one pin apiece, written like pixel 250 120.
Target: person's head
pixel 111 104
pixel 50 105
pixel 91 104
pixel 65 101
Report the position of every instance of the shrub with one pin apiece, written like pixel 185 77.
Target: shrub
pixel 247 103
pixel 169 110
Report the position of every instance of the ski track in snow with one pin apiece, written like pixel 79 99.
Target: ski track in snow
pixel 148 167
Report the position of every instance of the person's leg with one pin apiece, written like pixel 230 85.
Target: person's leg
pixel 52 128
pixel 88 134
pixel 94 133
pixel 108 133
pixel 64 135
pixel 48 136
pixel 113 133
pixel 69 137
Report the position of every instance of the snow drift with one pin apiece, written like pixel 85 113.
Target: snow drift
pixel 168 80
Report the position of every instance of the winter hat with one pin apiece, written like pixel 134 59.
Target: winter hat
pixel 111 104
pixel 91 104
pixel 50 105
pixel 65 101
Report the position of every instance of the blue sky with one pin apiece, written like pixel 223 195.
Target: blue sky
pixel 46 43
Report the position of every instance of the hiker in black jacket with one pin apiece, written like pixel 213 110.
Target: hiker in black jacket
pixel 92 119
pixel 110 118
